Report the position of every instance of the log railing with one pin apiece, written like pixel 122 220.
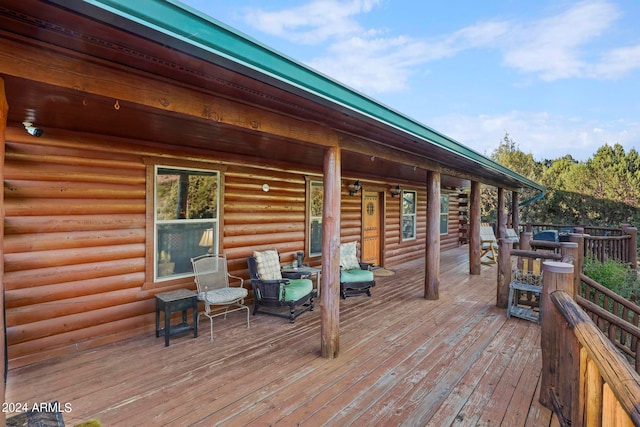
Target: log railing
pixel 585 378
pixel 617 317
pixel 601 243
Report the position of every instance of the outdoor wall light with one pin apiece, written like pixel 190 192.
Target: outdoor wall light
pixel 355 188
pixel 396 191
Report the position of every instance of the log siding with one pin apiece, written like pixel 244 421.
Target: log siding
pixel 76 250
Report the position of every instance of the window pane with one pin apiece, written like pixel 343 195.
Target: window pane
pixel 444 203
pixel 316 192
pixel 186 194
pixel 408 227
pixel 408 202
pixel 444 224
pixel 178 243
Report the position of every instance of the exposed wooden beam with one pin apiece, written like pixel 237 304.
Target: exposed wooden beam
pixel 71 70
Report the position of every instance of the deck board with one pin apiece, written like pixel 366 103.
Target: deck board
pixel 403 360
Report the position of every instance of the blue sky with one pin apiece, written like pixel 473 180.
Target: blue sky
pixel 561 77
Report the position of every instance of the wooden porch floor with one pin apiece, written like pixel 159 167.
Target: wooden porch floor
pixel 403 361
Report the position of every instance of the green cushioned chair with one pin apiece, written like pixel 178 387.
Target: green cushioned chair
pixel 356 278
pixel 272 291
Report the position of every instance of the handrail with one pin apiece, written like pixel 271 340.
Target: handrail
pixel 623 381
pixel 615 316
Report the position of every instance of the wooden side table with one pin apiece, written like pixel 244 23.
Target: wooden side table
pixel 171 302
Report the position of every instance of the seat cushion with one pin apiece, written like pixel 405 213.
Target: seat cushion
pixel 268 263
pixel 349 256
pixel 297 288
pixel 356 275
pixel 223 295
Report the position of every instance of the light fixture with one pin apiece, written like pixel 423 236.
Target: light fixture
pixel 31 129
pixel 207 239
pixel 396 191
pixel 355 188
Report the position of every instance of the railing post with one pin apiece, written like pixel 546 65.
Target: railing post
pixel 633 245
pixel 579 262
pixel 529 228
pixel 504 273
pixel 525 240
pixel 559 354
pixel 569 251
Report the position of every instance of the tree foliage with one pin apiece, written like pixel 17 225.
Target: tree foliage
pixel 601 191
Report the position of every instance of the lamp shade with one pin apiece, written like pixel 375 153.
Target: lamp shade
pixel 207 238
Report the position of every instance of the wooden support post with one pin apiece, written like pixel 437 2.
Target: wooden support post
pixel 557 276
pixel 474 228
pixel 504 273
pixel 501 227
pixel 579 261
pixel 525 240
pixel 330 278
pixel 515 212
pixel 633 245
pixel 432 262
pixel 4 109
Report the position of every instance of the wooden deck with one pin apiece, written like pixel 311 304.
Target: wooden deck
pixel 403 361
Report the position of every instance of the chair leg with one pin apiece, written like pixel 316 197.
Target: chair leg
pixel 211 327
pixel 292 312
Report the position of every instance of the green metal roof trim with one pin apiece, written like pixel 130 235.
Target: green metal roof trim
pixel 182 22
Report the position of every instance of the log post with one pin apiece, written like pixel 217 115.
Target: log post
pixel 557 276
pixel 579 261
pixel 515 213
pixel 4 109
pixel 432 262
pixel 474 228
pixel 330 278
pixel 633 246
pixel 525 240
pixel 501 228
pixel 504 273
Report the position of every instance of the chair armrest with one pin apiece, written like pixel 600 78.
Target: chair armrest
pixel 240 279
pixel 365 265
pixel 270 289
pixel 292 275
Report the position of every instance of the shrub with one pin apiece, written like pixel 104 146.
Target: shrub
pixel 613 275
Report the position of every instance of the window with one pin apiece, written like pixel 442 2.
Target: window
pixel 316 192
pixel 408 215
pixel 185 219
pixel 444 214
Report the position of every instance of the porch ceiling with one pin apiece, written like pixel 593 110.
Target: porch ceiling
pixel 70 108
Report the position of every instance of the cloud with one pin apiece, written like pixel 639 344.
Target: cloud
pixel 374 61
pixel 314 22
pixel 545 135
pixel 553 47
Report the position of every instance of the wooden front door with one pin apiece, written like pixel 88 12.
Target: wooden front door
pixel 371 228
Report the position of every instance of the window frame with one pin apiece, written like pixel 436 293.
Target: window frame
pixel 311 181
pixel 152 164
pixel 444 212
pixel 412 215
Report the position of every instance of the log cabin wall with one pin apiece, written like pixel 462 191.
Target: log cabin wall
pixel 76 234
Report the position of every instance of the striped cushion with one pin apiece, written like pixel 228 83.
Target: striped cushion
pixel 268 263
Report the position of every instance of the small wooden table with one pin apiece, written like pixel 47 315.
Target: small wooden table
pixel 171 302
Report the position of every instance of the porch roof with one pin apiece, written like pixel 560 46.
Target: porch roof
pixel 180 27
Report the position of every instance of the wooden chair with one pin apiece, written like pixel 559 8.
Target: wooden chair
pixel 488 245
pixel 272 291
pixel 513 236
pixel 356 278
pixel 525 289
pixel 212 281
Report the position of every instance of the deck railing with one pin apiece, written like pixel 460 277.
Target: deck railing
pixel 601 243
pixel 585 378
pixel 617 317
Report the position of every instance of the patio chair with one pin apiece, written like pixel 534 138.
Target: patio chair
pixel 212 281
pixel 356 277
pixel 488 245
pixel 512 235
pixel 272 291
